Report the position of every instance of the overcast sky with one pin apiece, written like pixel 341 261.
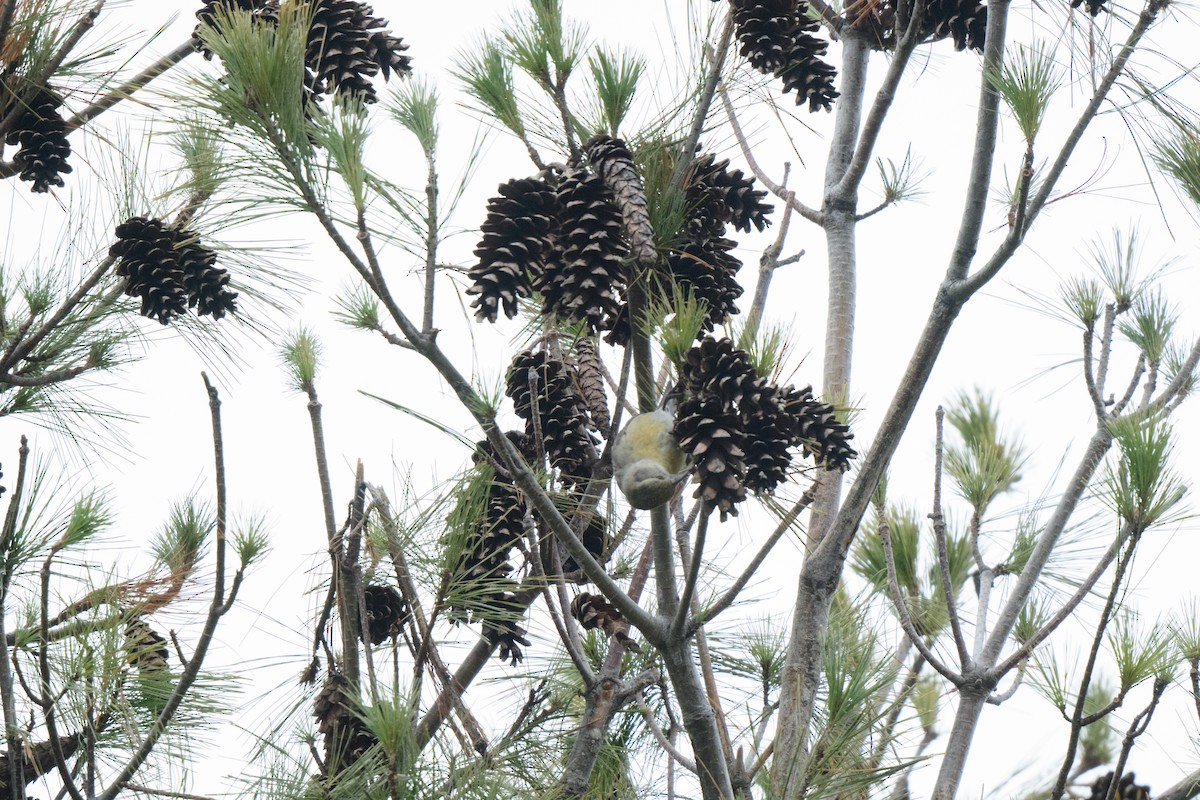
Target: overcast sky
pixel 1004 342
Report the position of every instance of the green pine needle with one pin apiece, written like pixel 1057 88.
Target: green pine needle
pixel 1032 617
pixel 1177 153
pixel 263 87
pixel 342 132
pixel 301 355
pixel 414 106
pixel 180 543
pixel 89 517
pixel 1140 654
pixel 251 542
pixel 358 308
pixel 1141 487
pixel 1026 82
pixel 680 320
pixel 987 464
pixel 1118 265
pixel 901 181
pixel 616 77
pixel 1084 298
pixel 1150 326
pixel 487 75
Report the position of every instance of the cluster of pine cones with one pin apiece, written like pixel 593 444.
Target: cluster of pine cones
pixel 170 271
pixel 347 44
pixel 739 430
pixel 776 37
pixel 1126 788
pixel 560 235
pixel 564 408
pixel 41 135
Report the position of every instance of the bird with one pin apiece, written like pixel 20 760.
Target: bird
pixel 648 463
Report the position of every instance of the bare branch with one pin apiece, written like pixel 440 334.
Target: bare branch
pixel 785 524
pixel 778 189
pixel 660 737
pixel 939 533
pixel 689 587
pixel 703 104
pixel 126 90
pixel 901 605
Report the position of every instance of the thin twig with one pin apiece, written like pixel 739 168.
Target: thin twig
pixel 693 576
pixel 716 62
pixel 767 264
pixel 811 214
pixel 126 90
pixel 1089 378
pixel 939 532
pixel 970 284
pixel 901 605
pixel 431 242
pixel 570 642
pixel 661 738
pixel 996 698
pixel 1136 729
pixel 785 524
pixel 1060 783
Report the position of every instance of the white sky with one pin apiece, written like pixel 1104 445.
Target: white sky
pixel 1002 343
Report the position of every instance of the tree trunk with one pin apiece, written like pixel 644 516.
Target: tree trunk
pixel 699 720
pixel 819 575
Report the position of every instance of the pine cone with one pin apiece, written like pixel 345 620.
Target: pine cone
pixel 170 271
pixel 515 245
pixel 595 541
pixel 502 628
pixel 775 37
pixel 146 258
pixel 586 281
pixel 716 367
pixel 386 612
pixel 267 10
pixel 36 759
pixel 768 438
pixel 145 649
pixel 807 75
pixel 709 269
pixel 1126 788
pixel 589 382
pixel 347 48
pixel 593 611
pixel 561 413
pixel 42 135
pixel 1094 7
pixel 817 429
pixel 502 527
pixel 611 158
pixel 713 437
pixel 963 21
pixel 206 284
pixel 346 736
pixel 742 204
pixel 485 454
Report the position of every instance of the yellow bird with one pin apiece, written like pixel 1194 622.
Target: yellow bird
pixel 647 461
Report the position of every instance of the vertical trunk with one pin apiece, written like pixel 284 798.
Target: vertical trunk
pixel 819 576
pixel 601 703
pixel 699 721
pixel 971 700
